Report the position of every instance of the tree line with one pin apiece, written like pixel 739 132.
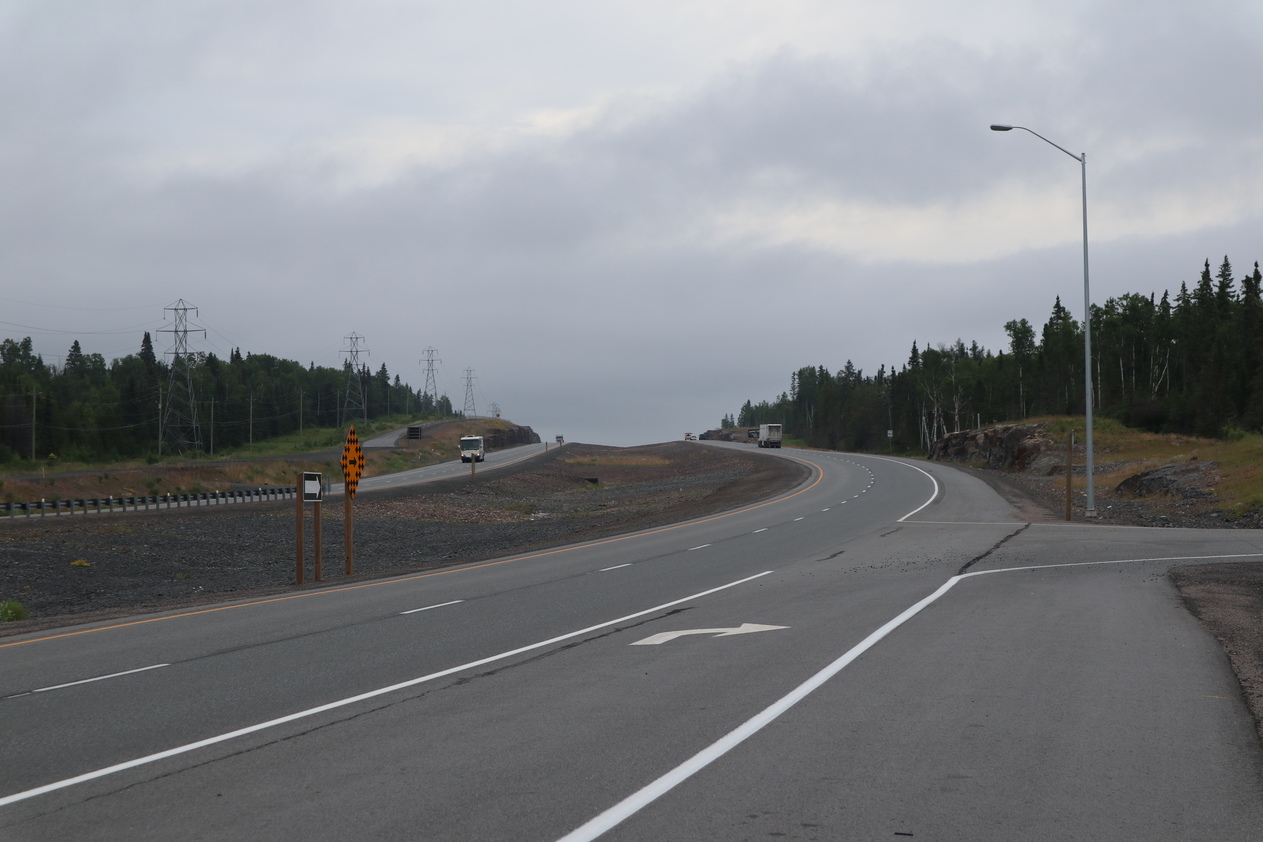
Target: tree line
pixel 1192 365
pixel 142 405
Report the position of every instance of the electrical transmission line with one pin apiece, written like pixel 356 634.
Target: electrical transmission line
pixel 431 390
pixel 470 412
pixel 354 406
pixel 180 429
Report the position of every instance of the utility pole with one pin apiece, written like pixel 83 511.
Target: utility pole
pixel 470 411
pixel 354 407
pixel 34 404
pixel 430 388
pixel 179 417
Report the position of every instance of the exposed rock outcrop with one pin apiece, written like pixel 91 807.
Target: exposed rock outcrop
pixel 1020 447
pixel 1184 479
pixel 739 434
pixel 495 439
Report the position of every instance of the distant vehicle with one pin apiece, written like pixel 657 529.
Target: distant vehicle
pixel 752 433
pixel 561 439
pixel 769 435
pixel 689 437
pixel 471 449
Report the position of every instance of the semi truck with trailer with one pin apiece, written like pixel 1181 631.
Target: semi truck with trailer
pixel 769 435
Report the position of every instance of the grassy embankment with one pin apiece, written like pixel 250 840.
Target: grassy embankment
pixel 274 461
pixel 1240 457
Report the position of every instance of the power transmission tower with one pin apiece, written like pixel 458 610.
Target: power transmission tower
pixel 470 412
pixel 180 429
pixel 431 390
pixel 494 409
pixel 354 406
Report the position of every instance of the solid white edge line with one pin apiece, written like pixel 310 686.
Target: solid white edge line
pixel 371 694
pixel 933 496
pixel 99 678
pixel 629 806
pixel 1115 561
pixel 428 607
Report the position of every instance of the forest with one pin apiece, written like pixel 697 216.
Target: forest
pixel 1191 365
pixel 145 406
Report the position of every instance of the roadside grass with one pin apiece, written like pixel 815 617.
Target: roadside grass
pixel 314 450
pixel 315 439
pixel 12 611
pixel 1240 458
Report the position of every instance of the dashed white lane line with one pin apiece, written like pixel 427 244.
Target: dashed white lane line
pixel 428 607
pixel 99 678
pixel 699 547
pixel 757 531
pixel 86 681
pixel 615 567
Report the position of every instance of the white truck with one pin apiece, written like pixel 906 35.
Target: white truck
pixel 769 435
pixel 471 449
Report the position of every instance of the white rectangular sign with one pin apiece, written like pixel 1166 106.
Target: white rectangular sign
pixel 313 488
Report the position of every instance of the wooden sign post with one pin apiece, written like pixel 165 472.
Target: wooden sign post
pixel 352 470
pixel 310 490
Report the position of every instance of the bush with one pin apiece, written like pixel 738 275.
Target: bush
pixel 12 611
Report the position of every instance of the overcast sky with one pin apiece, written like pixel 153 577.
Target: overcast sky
pixel 626 217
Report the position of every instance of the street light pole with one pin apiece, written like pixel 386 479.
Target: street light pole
pixel 1087 311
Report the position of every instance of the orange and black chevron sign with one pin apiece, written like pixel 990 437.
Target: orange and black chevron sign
pixel 352 463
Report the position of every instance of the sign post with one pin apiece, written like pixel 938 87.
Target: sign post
pixel 310 490
pixel 299 565
pixel 352 470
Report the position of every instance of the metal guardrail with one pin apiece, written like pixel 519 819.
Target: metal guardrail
pixel 106 505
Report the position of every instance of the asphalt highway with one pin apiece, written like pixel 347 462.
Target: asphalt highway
pixel 885 652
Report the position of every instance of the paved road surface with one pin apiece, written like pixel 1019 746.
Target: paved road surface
pixel 1054 689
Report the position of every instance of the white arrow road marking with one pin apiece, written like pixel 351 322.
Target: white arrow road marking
pixel 744 628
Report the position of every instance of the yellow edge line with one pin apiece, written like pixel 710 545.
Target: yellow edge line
pixel 397 580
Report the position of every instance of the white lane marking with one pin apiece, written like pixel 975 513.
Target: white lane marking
pixel 699 547
pixel 933 496
pixel 666 637
pixel 797 519
pixel 757 531
pixel 1116 561
pixel 629 806
pixel 824 510
pixel 428 607
pixel 99 678
pixel 350 700
pixel 615 567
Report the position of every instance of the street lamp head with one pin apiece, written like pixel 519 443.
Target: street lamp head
pixel 999 127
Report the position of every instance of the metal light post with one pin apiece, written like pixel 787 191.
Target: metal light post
pixel 1087 309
